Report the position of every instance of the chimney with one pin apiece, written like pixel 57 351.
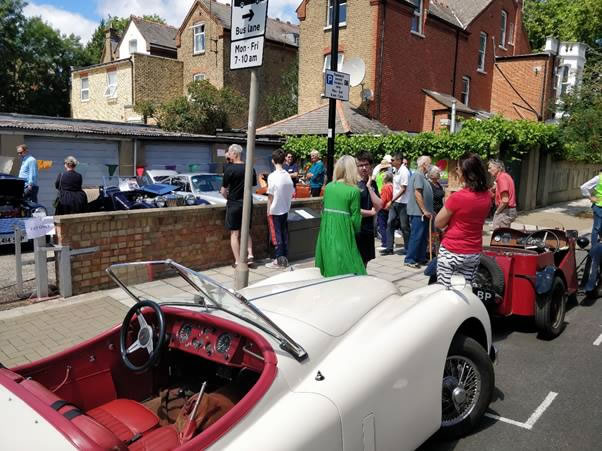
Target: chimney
pixel 551 45
pixel 110 37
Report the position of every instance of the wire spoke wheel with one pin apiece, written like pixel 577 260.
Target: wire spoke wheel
pixel 461 389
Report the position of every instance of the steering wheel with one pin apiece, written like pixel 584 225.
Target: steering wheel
pixel 545 237
pixel 144 339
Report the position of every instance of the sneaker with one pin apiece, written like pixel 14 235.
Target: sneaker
pixel 381 248
pixel 387 252
pixel 282 261
pixel 398 234
pixel 272 265
pixel 412 265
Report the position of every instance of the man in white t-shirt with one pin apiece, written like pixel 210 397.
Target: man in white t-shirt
pixel 280 194
pixel 398 206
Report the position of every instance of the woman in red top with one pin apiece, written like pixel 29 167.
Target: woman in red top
pixel 463 217
pixel 386 196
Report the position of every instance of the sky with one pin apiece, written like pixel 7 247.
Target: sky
pixel 81 17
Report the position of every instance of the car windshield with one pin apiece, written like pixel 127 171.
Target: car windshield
pixel 206 182
pixel 167 282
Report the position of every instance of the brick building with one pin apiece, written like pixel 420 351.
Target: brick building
pixel 419 52
pixel 157 62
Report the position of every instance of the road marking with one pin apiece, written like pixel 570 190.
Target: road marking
pixel 534 416
pixel 598 341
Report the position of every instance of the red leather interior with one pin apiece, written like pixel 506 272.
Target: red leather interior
pixel 125 418
pixel 160 439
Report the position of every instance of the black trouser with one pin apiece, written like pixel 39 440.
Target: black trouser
pixel 315 192
pixel 398 212
pixel 278 227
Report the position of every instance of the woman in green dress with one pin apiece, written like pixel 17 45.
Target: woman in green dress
pixel 336 251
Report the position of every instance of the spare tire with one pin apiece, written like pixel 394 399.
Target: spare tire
pixel 490 276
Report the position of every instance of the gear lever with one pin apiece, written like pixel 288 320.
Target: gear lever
pixel 190 427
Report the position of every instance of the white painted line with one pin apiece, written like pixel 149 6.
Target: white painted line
pixel 541 409
pixel 598 341
pixel 534 416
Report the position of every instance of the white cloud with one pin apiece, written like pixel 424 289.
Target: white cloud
pixel 65 21
pixel 174 11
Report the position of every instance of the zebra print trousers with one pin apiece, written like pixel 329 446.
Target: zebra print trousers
pixel 449 263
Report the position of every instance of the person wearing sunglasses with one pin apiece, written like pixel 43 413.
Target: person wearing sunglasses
pixel 28 172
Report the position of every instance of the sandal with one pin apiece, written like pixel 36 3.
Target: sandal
pixel 251 262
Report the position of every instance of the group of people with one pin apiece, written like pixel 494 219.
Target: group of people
pixel 413 203
pixel 70 197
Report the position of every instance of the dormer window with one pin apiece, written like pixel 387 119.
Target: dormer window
pixel 133 46
pixel 417 18
pixel 198 32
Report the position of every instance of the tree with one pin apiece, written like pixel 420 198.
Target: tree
pixel 12 22
pixel 206 109
pixel 283 104
pixel 581 124
pixel 145 108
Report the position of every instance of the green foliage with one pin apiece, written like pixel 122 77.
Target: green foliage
pixel 490 138
pixel 283 104
pixel 35 63
pixel 145 108
pixel 206 109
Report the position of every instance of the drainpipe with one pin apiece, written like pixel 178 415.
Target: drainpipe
pixel 380 62
pixel 453 91
pixel 135 156
pixel 543 90
pixel 452 127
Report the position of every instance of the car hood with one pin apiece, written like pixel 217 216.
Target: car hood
pixel 216 198
pixel 307 297
pixel 11 187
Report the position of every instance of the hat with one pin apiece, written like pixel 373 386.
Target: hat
pixel 384 165
pixel 387 158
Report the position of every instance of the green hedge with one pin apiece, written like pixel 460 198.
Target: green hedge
pixel 490 138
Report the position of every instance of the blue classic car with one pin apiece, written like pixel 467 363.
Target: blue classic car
pixel 14 208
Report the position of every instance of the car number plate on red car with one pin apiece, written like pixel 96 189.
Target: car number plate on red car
pixel 488 297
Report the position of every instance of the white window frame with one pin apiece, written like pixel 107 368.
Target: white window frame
pixel 564 75
pixel 482 51
pixel 84 90
pixel 135 42
pixel 465 90
pixel 199 76
pixel 511 34
pixel 330 13
pixel 196 33
pixel 418 17
pixel 111 91
pixel 340 59
pixel 503 29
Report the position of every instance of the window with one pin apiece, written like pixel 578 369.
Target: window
pixel 198 32
pixel 482 51
pixel 465 90
pixel 111 90
pixel 564 81
pixel 342 13
pixel 340 58
pixel 85 89
pixel 133 44
pixel 503 29
pixel 417 17
pixel 198 77
pixel 511 34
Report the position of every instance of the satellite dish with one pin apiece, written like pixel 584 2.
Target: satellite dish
pixel 356 68
pixel 367 94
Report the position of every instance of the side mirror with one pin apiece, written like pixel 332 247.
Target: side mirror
pixel 582 242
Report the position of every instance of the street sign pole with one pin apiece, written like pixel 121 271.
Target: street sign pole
pixel 332 103
pixel 241 274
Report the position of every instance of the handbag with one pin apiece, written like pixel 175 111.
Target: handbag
pixel 57 201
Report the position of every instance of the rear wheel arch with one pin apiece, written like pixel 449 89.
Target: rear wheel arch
pixel 474 329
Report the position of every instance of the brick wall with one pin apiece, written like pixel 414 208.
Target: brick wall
pixel 356 39
pixel 211 61
pixel 519 84
pixel 98 106
pixel 193 236
pixel 156 78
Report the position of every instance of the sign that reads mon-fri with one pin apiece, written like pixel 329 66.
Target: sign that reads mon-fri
pixel 248 22
pixel 337 85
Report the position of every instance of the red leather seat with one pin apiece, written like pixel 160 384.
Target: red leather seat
pixel 160 439
pixel 124 418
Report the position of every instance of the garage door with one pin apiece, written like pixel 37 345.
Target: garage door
pixel 180 156
pixel 92 154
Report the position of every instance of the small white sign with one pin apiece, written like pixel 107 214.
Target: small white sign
pixel 304 214
pixel 248 18
pixel 247 53
pixel 221 152
pixel 337 85
pixel 37 227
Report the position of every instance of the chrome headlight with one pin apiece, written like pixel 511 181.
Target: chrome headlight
pixel 160 201
pixel 39 212
pixel 190 199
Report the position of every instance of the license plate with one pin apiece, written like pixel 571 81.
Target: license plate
pixel 488 297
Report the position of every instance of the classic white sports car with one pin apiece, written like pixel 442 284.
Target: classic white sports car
pixel 296 361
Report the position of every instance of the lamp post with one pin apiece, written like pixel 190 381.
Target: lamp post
pixel 332 106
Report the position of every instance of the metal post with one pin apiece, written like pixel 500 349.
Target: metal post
pixel 65 287
pixel 18 259
pixel 241 274
pixel 41 267
pixel 332 105
pixel 452 127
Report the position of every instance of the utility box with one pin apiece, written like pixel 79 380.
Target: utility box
pixel 303 228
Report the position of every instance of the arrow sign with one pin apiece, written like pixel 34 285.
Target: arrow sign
pixel 248 19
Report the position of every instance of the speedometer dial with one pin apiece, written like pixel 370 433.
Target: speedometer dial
pixel 184 333
pixel 223 343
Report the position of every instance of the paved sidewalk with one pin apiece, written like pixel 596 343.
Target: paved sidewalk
pixel 31 332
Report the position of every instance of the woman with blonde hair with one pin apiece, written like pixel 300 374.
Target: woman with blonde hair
pixel 71 198
pixel 336 249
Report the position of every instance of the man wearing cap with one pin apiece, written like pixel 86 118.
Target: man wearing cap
pixel 28 172
pixel 592 189
pixel 387 160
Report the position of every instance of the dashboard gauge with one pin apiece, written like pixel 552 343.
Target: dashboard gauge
pixel 497 238
pixel 184 333
pixel 223 343
pixel 197 343
pixel 208 348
